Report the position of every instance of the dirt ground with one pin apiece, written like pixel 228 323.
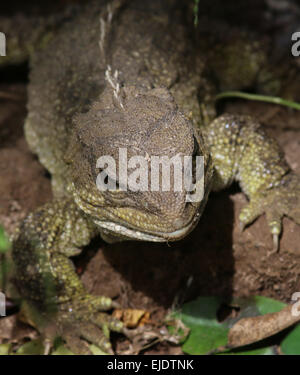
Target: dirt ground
pixel 218 258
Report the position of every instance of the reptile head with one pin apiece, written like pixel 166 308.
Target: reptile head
pixel 122 132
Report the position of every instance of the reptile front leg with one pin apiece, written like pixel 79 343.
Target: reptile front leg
pixel 242 151
pixel 46 279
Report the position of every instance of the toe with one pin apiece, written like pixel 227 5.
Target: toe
pixel 96 336
pixel 274 220
pixel 250 212
pixel 76 345
pixel 111 323
pixel 99 303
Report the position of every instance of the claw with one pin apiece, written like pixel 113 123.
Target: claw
pixel 275 225
pixel 275 242
pixel 241 227
pixel 47 347
pixel 108 349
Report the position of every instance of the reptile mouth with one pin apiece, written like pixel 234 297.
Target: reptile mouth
pixel 125 231
pixel 133 224
pixel 129 230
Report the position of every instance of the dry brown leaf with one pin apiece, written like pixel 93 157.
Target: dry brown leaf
pixel 249 330
pixel 132 318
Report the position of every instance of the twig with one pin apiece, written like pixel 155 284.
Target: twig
pixel 262 98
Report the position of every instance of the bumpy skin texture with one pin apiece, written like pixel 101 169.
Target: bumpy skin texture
pixel 242 151
pixel 149 105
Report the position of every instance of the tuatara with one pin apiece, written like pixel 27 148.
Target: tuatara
pixel 127 74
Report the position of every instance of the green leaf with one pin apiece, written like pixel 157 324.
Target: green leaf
pixel 31 348
pixel 204 339
pixel 268 305
pixel 201 311
pixel 62 350
pixel 208 334
pixel 291 343
pixel 259 351
pixel 96 351
pixel 4 349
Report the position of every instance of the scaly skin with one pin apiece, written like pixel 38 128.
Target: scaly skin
pixel 151 107
pixel 44 242
pixel 242 151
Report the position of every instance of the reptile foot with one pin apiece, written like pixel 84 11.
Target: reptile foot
pixel 281 200
pixel 83 322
